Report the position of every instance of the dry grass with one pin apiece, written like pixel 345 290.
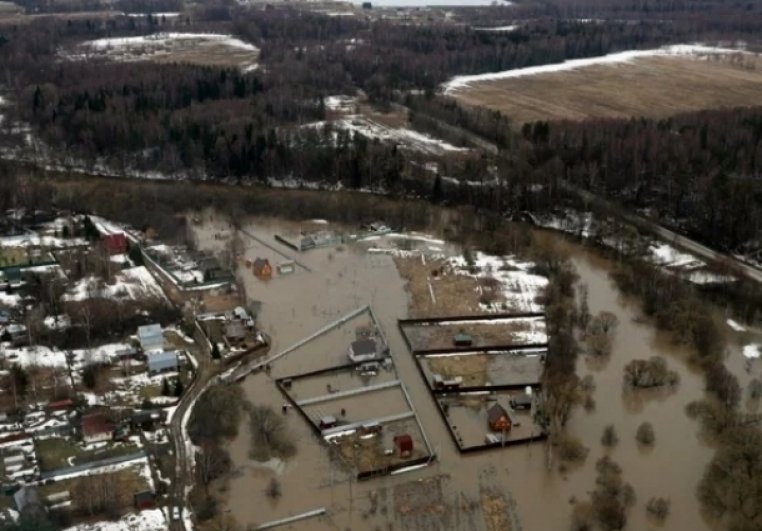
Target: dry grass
pixel 482 334
pixel 454 294
pixel 495 511
pixel 473 368
pixel 652 87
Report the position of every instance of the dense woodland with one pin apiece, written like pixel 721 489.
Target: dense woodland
pixel 699 171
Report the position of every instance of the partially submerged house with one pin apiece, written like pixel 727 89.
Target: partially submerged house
pixel 498 418
pixel 262 269
pixel 96 427
pixel 163 362
pixel 404 445
pixel 364 350
pixel 151 337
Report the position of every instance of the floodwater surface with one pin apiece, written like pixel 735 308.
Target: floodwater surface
pixel 345 278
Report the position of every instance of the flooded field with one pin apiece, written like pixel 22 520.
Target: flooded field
pixel 482 491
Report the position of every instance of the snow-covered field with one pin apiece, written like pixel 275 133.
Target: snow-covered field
pixel 406 138
pixel 199 48
pixel 684 50
pixel 521 288
pixel 134 284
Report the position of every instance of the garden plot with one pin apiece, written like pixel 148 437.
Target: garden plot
pixel 482 283
pixel 468 420
pixel 195 48
pixel 481 334
pixel 487 369
pixel 135 284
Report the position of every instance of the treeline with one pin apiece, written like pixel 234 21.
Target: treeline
pixel 382 56
pixel 700 171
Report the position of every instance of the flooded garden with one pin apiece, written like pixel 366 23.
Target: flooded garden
pixel 402 275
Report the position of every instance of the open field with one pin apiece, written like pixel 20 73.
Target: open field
pixel 208 49
pixel 646 86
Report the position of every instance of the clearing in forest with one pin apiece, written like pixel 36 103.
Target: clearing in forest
pixel 650 86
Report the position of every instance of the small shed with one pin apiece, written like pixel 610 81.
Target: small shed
pixel 151 337
pixel 462 340
pixel 286 268
pixel 363 350
pixel 162 361
pixel 262 269
pixel 235 333
pixel 144 500
pixel 327 422
pixel 521 401
pixel 498 418
pixel 404 445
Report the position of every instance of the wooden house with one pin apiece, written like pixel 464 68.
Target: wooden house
pixel 498 418
pixel 404 445
pixel 262 269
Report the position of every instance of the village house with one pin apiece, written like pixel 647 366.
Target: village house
pixel 262 269
pixel 114 243
pixel 498 418
pixel 151 337
pixel 162 362
pixel 404 445
pixel 96 427
pixel 363 350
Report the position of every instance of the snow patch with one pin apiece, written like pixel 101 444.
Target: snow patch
pixel 691 50
pixel 752 351
pixel 148 520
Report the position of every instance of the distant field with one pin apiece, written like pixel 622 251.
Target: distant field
pixel 648 86
pixel 194 48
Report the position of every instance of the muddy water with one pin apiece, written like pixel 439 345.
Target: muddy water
pixel 340 281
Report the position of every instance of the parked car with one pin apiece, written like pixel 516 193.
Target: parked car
pixel 176 514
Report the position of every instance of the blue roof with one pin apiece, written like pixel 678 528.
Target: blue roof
pixel 162 361
pixel 149 331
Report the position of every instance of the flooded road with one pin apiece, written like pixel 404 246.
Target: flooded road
pixel 346 277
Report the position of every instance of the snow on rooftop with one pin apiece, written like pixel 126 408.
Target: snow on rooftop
pixel 135 283
pixel 148 520
pixel 684 50
pixel 173 14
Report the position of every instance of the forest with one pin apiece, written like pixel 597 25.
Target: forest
pixel 698 172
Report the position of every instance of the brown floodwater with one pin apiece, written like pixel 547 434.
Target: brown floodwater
pixel 343 279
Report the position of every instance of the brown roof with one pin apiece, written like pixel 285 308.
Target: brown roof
pixel 496 412
pixel 96 423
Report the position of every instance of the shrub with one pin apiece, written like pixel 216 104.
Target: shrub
pixel 609 438
pixel 570 449
pixel 658 508
pixel 645 434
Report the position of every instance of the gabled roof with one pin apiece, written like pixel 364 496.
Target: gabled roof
pixel 149 332
pixel 496 412
pixel 259 263
pixel 95 424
